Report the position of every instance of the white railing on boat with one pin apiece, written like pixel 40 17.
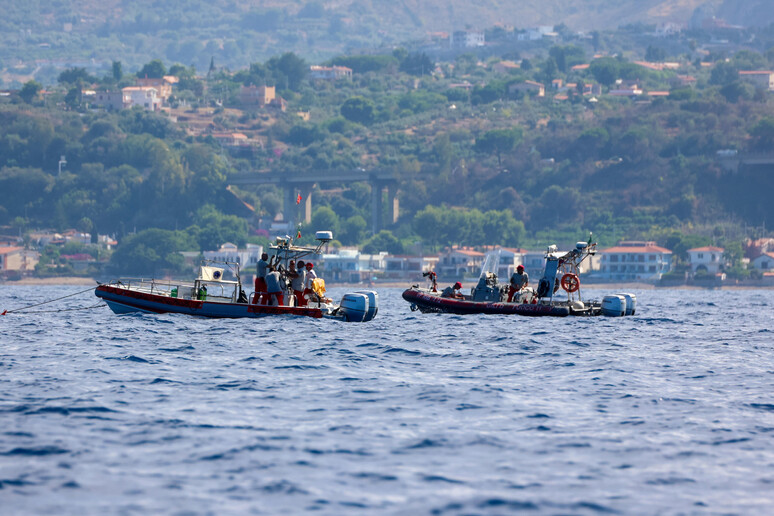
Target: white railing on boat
pixel 217 291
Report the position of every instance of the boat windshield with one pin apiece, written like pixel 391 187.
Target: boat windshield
pixel 491 263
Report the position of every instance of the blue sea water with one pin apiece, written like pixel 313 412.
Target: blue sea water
pixel 670 411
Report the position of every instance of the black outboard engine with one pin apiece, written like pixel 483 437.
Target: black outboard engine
pixel 544 288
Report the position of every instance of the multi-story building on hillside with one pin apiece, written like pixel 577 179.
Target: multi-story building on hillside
pixel 634 260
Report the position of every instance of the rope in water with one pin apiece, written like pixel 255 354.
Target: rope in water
pixel 52 301
pixel 66 309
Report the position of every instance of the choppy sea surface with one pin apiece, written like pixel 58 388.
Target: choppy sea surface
pixel 670 411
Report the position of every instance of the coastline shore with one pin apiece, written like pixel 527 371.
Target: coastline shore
pixel 81 281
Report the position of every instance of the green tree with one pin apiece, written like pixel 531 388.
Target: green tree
pixel 733 253
pixel 417 64
pixel 498 141
pixel 353 230
pixel 117 70
pixel 73 97
pixel 77 76
pixel 325 219
pixel 366 63
pixel 736 91
pixel 501 227
pixel 384 240
pixel 151 252
pixel 155 69
pixel 30 91
pixel 567 56
pixel 22 188
pixel 214 229
pixel 421 101
pixel 359 109
pixel 605 70
pixel 655 54
pixel 291 67
pixel 488 93
pixel 762 134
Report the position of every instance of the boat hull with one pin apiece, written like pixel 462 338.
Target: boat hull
pixel 123 300
pixel 431 302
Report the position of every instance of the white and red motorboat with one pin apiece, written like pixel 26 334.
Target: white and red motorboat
pixel 211 295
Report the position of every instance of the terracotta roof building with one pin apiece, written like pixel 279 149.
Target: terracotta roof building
pixel 707 259
pixel 635 260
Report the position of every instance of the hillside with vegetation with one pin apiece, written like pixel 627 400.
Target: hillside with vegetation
pixel 480 161
pixel 39 39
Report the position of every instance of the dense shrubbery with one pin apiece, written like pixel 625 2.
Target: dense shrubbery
pixel 483 169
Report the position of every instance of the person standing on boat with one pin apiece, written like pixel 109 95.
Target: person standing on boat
pixel 453 291
pixel 311 275
pixel 260 277
pixel 297 279
pixel 519 280
pixel 274 287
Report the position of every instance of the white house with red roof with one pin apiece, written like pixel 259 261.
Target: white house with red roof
pixel 764 262
pixel 329 73
pixel 762 79
pixel 634 260
pixel 144 96
pixel 707 259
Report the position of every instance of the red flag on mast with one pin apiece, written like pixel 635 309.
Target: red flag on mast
pixel 298 200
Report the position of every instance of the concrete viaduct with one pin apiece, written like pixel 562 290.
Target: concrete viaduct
pixel 733 161
pixel 295 183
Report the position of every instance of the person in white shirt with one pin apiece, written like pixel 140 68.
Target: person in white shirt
pixel 311 275
pixel 297 275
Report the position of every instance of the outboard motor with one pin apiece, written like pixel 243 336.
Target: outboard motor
pixel 614 306
pixel 373 303
pixel 544 288
pixel 631 302
pixel 354 306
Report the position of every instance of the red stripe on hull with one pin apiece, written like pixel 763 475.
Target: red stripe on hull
pixel 165 304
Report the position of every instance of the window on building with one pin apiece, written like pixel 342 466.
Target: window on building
pixel 652 268
pixel 700 256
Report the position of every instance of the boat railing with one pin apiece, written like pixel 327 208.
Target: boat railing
pixel 223 291
pixel 152 286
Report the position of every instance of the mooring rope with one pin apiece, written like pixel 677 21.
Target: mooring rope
pixel 52 301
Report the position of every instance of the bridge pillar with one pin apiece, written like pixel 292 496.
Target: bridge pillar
pixel 376 207
pixel 393 203
pixel 289 204
pixel 306 201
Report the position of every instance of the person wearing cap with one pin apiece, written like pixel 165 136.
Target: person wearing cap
pixel 519 280
pixel 297 278
pixel 453 291
pixel 311 275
